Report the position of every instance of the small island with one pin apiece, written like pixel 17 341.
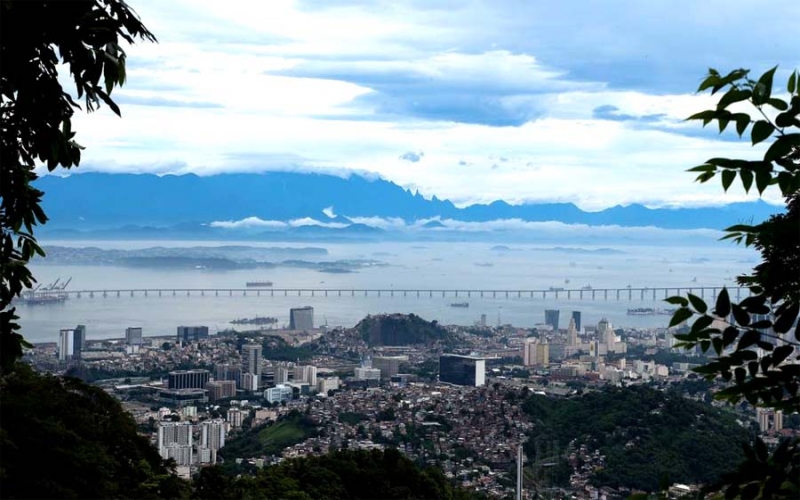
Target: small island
pixel 258 320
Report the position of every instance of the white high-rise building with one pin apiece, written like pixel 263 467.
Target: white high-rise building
pixel 281 375
pixel 235 417
pixel 213 434
pixel 175 441
pixel 66 344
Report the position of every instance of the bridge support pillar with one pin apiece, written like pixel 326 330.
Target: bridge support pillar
pixel 79 295
pixel 519 294
pixel 91 295
pixel 117 293
pixel 131 293
pixel 569 294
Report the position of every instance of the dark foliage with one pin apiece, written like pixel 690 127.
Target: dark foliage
pixel 61 438
pixel 400 329
pixel 643 433
pixel 342 474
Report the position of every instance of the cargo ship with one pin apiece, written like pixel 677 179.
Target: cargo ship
pixel 258 284
pixel 649 311
pixel 459 304
pixel 51 294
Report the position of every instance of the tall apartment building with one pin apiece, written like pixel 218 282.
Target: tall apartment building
pixel 212 438
pixel 535 353
pixel 282 374
pixel 188 379
pixel 188 334
pixel 551 318
pixel 220 389
pixel 78 340
pixel 235 417
pixel 250 382
pixel 133 336
pixel 305 374
pixel 251 359
pixel 175 441
pixel 66 345
pixel 462 370
pixel 301 318
pixel 576 315
pixel 228 372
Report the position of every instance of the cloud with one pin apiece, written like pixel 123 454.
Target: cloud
pixel 249 223
pixel 329 212
pixel 594 118
pixel 412 156
pixel 160 101
pixel 308 221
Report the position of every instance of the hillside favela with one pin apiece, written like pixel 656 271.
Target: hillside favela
pixel 399 250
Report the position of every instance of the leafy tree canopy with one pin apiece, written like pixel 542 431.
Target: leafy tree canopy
pixel 35 117
pixel 756 346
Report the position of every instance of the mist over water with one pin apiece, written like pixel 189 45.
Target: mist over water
pixel 410 266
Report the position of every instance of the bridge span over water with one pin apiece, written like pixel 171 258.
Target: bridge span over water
pixel 627 293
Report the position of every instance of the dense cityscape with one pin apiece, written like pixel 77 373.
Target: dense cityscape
pixel 445 396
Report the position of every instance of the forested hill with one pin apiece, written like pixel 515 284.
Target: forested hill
pixel 647 436
pixel 401 329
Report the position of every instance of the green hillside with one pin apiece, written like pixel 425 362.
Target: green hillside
pixel 401 329
pixel 645 435
pixel 270 439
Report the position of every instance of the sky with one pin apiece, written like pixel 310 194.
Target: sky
pixel 472 101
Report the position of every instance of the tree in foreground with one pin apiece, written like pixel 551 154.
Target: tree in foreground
pixel 756 348
pixel 35 117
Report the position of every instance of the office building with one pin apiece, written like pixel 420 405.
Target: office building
pixel 576 315
pixel 462 370
pixel 572 331
pixel 133 336
pixel 182 397
pixel 235 417
pixel 228 372
pixel 282 374
pixel 251 359
pixel 364 373
pixel 301 318
pixel 551 318
pixel 188 334
pixel 278 393
pixel 305 374
pixel 388 365
pixel 607 339
pixel 188 379
pixel 250 382
pixel 66 344
pixel 535 353
pixel 78 340
pixel 220 389
pixel 327 384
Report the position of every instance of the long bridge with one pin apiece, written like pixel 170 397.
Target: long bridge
pixel 627 293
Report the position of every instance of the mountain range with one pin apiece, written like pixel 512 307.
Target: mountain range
pixel 281 205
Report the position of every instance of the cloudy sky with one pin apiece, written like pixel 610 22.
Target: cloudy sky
pixel 474 101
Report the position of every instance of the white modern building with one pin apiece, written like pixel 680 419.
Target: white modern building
pixel 278 393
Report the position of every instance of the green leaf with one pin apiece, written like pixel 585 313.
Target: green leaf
pixel 732 96
pixel 727 178
pixel 706 116
pixel 680 316
pixel 763 89
pixel 747 179
pixel 723 306
pixel 701 324
pixel 782 146
pixel 730 335
pixel 762 180
pixel 698 303
pixel 792 82
pixel 742 121
pixel 780 353
pixel 787 317
pixel 677 300
pixel 749 338
pixel 762 129
pixel 778 104
pixel 705 167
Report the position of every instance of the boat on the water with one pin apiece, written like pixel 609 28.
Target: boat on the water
pixel 258 284
pixel 649 311
pixel 459 304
